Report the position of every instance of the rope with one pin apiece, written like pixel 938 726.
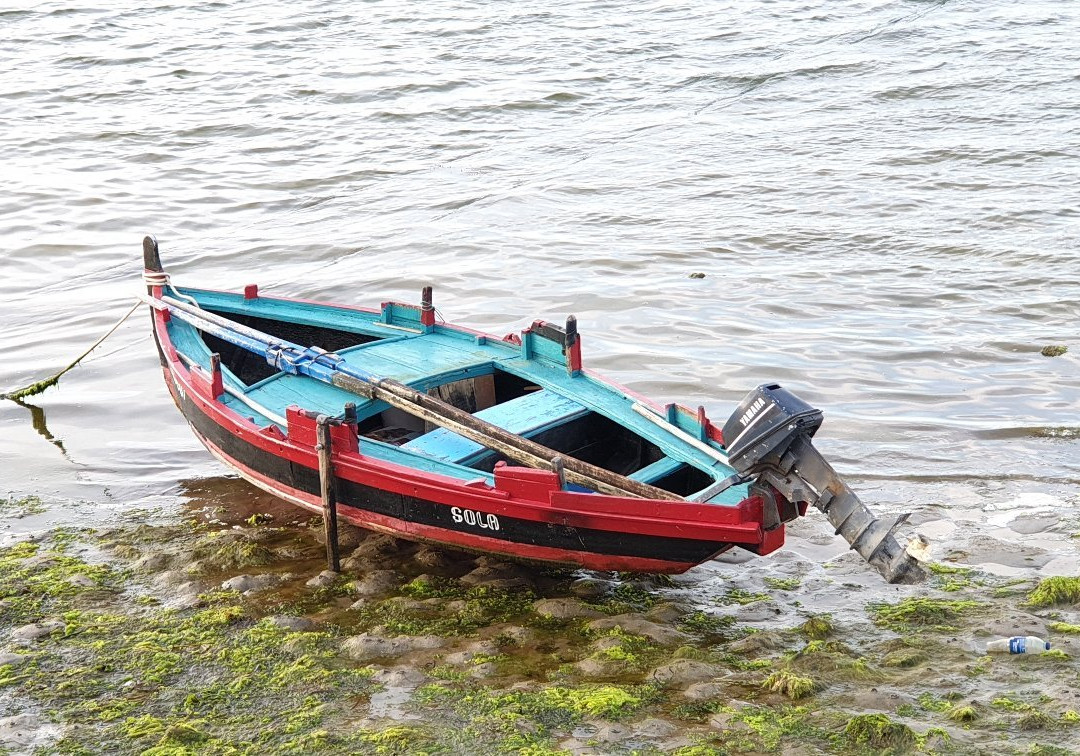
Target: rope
pixel 40 386
pixel 163 279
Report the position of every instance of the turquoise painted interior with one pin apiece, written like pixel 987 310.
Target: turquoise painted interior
pixel 442 355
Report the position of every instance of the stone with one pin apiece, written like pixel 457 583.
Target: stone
pixel 473 650
pixel 13 659
pixel 653 728
pixel 349 536
pixel 434 558
pixel 704 691
pixel 24 732
pixel 480 671
pixel 252 583
pixel 588 588
pixel 153 562
pixel 612 732
pixel 82 581
pixel 377 582
pixel 515 633
pixel 365 647
pixel 294 624
pixel 405 677
pixel 667 613
pixel 506 584
pixel 36 630
pixel 323 579
pixel 682 672
pixel 564 608
pixel 635 624
pixel 491 571
pixel 759 611
pixel 601 666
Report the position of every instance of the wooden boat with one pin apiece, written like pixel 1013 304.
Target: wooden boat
pixel 506 445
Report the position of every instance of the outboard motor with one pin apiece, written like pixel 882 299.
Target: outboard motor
pixel 768 439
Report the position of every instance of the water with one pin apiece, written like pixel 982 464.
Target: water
pixel 882 197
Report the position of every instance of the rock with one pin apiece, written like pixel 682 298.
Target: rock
pixel 24 732
pixel 404 677
pixel 480 671
pixel 612 732
pixel 82 581
pixel 653 728
pixel 376 547
pixel 412 605
pixel 489 571
pixel 588 588
pixel 682 672
pixel 367 646
pixel 36 630
pixel 323 579
pixel 428 641
pixel 253 583
pixel 13 659
pixel 465 656
pixel 433 558
pixel 703 691
pixel 172 577
pixel 186 601
pixel 514 633
pixel 564 608
pixel 601 666
pixel 295 624
pixel 506 584
pixel 759 611
pixel 635 624
pixel 189 588
pixel 377 582
pixel 153 562
pixel 349 536
pixel 667 613
pixel 755 643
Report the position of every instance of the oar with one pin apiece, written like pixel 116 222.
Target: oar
pixel 330 368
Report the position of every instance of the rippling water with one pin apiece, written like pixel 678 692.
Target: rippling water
pixel 882 197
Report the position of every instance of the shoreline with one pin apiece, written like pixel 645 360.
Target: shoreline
pixel 204 635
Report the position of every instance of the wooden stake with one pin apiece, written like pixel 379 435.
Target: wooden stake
pixel 329 495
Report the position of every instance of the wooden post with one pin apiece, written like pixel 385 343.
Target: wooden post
pixel 329 495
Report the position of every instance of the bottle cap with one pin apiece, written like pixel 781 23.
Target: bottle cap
pixel 1048 645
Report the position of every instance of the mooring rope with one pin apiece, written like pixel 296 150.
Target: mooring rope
pixel 39 386
pixel 163 279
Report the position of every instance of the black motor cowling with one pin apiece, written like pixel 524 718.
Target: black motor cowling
pixel 765 425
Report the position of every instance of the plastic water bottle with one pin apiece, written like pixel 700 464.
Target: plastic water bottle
pixel 1018 645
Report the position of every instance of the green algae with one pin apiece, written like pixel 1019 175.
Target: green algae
pixel 481 606
pixel 741 597
pixel 783 584
pixel 817 627
pixel 878 731
pixel 963 714
pixel 21 507
pixel 1055 590
pixel 524 720
pixel 790 684
pixel 1064 628
pixel 712 627
pixel 922 613
pixel 1053 350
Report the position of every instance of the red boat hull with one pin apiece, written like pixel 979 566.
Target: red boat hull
pixel 525 515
